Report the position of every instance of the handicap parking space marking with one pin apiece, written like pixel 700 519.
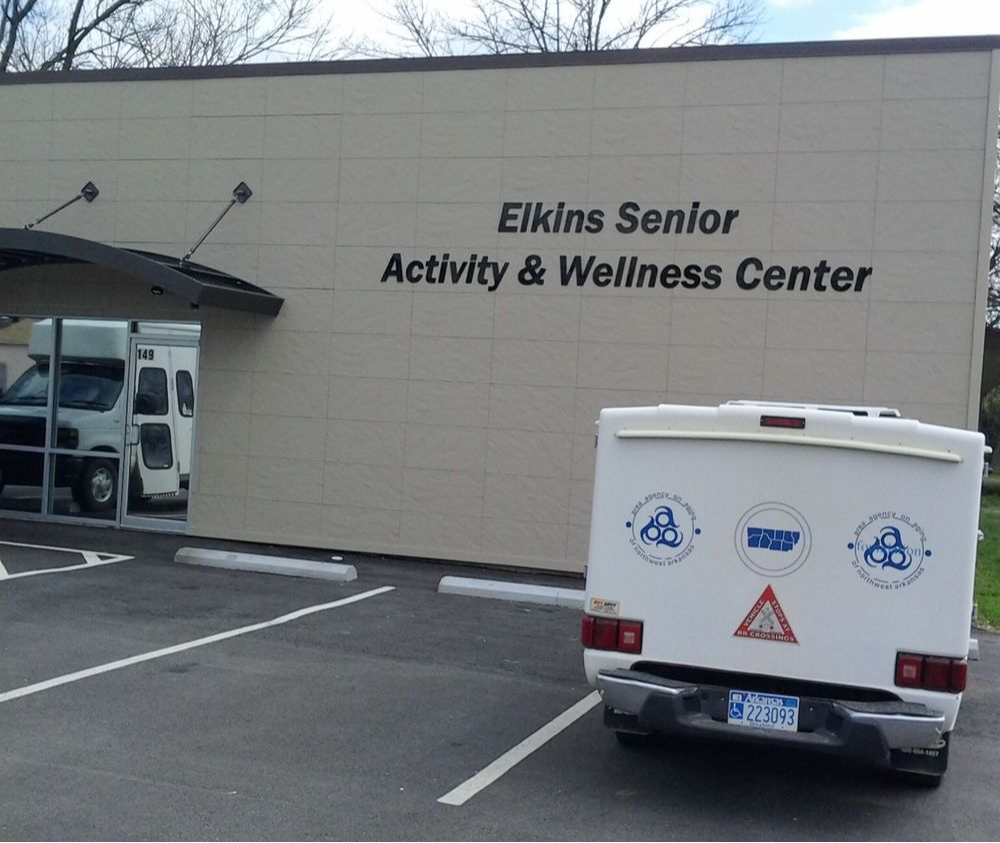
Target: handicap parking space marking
pixel 91 559
pixel 76 676
pixel 514 756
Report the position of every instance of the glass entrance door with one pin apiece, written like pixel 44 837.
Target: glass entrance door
pixel 25 402
pixel 61 417
pixel 97 419
pixel 163 370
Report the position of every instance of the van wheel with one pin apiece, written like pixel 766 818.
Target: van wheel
pixel 926 780
pixel 97 487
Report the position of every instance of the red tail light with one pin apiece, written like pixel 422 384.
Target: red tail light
pixel 630 637
pixel 909 670
pixel 605 634
pixel 587 631
pixel 611 634
pixel 937 674
pixel 959 675
pixel 932 673
pixel 783 421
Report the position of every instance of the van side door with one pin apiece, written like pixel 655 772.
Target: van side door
pixel 153 421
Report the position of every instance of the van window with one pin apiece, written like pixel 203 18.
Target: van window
pixel 153 382
pixel 83 386
pixel 157 452
pixel 185 393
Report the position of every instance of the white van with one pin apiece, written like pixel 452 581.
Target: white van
pixel 784 573
pixel 93 407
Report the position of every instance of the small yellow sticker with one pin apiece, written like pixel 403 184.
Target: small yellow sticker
pixel 600 606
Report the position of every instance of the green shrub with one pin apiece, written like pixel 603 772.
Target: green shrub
pixel 989 417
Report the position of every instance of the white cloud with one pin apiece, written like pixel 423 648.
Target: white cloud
pixel 928 18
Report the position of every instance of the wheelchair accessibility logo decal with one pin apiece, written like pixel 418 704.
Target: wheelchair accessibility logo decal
pixel 662 529
pixel 889 550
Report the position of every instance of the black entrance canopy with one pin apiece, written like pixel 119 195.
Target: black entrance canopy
pixel 192 282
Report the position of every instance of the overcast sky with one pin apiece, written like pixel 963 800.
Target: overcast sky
pixel 785 20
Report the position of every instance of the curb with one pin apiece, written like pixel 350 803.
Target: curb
pixel 546 595
pixel 280 565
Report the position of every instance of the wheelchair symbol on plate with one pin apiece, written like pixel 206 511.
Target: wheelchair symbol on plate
pixel 736 711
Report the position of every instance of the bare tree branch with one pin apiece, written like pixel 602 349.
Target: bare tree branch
pixel 13 13
pixel 542 26
pixel 416 25
pixel 67 34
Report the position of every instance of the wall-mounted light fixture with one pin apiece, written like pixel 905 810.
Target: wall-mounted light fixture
pixel 241 193
pixel 89 192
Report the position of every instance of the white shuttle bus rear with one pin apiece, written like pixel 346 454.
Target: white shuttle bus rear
pixel 784 573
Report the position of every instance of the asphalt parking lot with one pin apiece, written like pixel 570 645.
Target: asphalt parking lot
pixel 136 703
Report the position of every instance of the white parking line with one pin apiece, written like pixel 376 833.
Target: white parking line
pixel 66 679
pixel 49 547
pixel 485 777
pixel 92 559
pixel 40 571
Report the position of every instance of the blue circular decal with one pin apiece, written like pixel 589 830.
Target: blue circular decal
pixel 773 539
pixel 889 550
pixel 662 529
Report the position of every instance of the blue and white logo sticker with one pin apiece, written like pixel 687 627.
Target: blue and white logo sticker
pixel 773 539
pixel 889 550
pixel 662 529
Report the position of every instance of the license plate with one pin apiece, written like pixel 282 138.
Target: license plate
pixel 763 711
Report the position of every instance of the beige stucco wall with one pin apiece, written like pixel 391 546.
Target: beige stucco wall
pixel 450 421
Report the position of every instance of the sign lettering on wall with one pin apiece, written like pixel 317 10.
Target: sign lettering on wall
pixel 623 271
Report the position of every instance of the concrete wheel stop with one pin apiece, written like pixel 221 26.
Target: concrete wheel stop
pixel 547 595
pixel 284 566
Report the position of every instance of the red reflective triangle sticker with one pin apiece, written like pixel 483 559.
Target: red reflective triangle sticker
pixel 766 620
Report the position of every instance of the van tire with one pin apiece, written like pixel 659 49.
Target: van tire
pixel 924 780
pixel 96 489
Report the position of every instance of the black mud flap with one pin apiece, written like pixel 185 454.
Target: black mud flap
pixel 923 763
